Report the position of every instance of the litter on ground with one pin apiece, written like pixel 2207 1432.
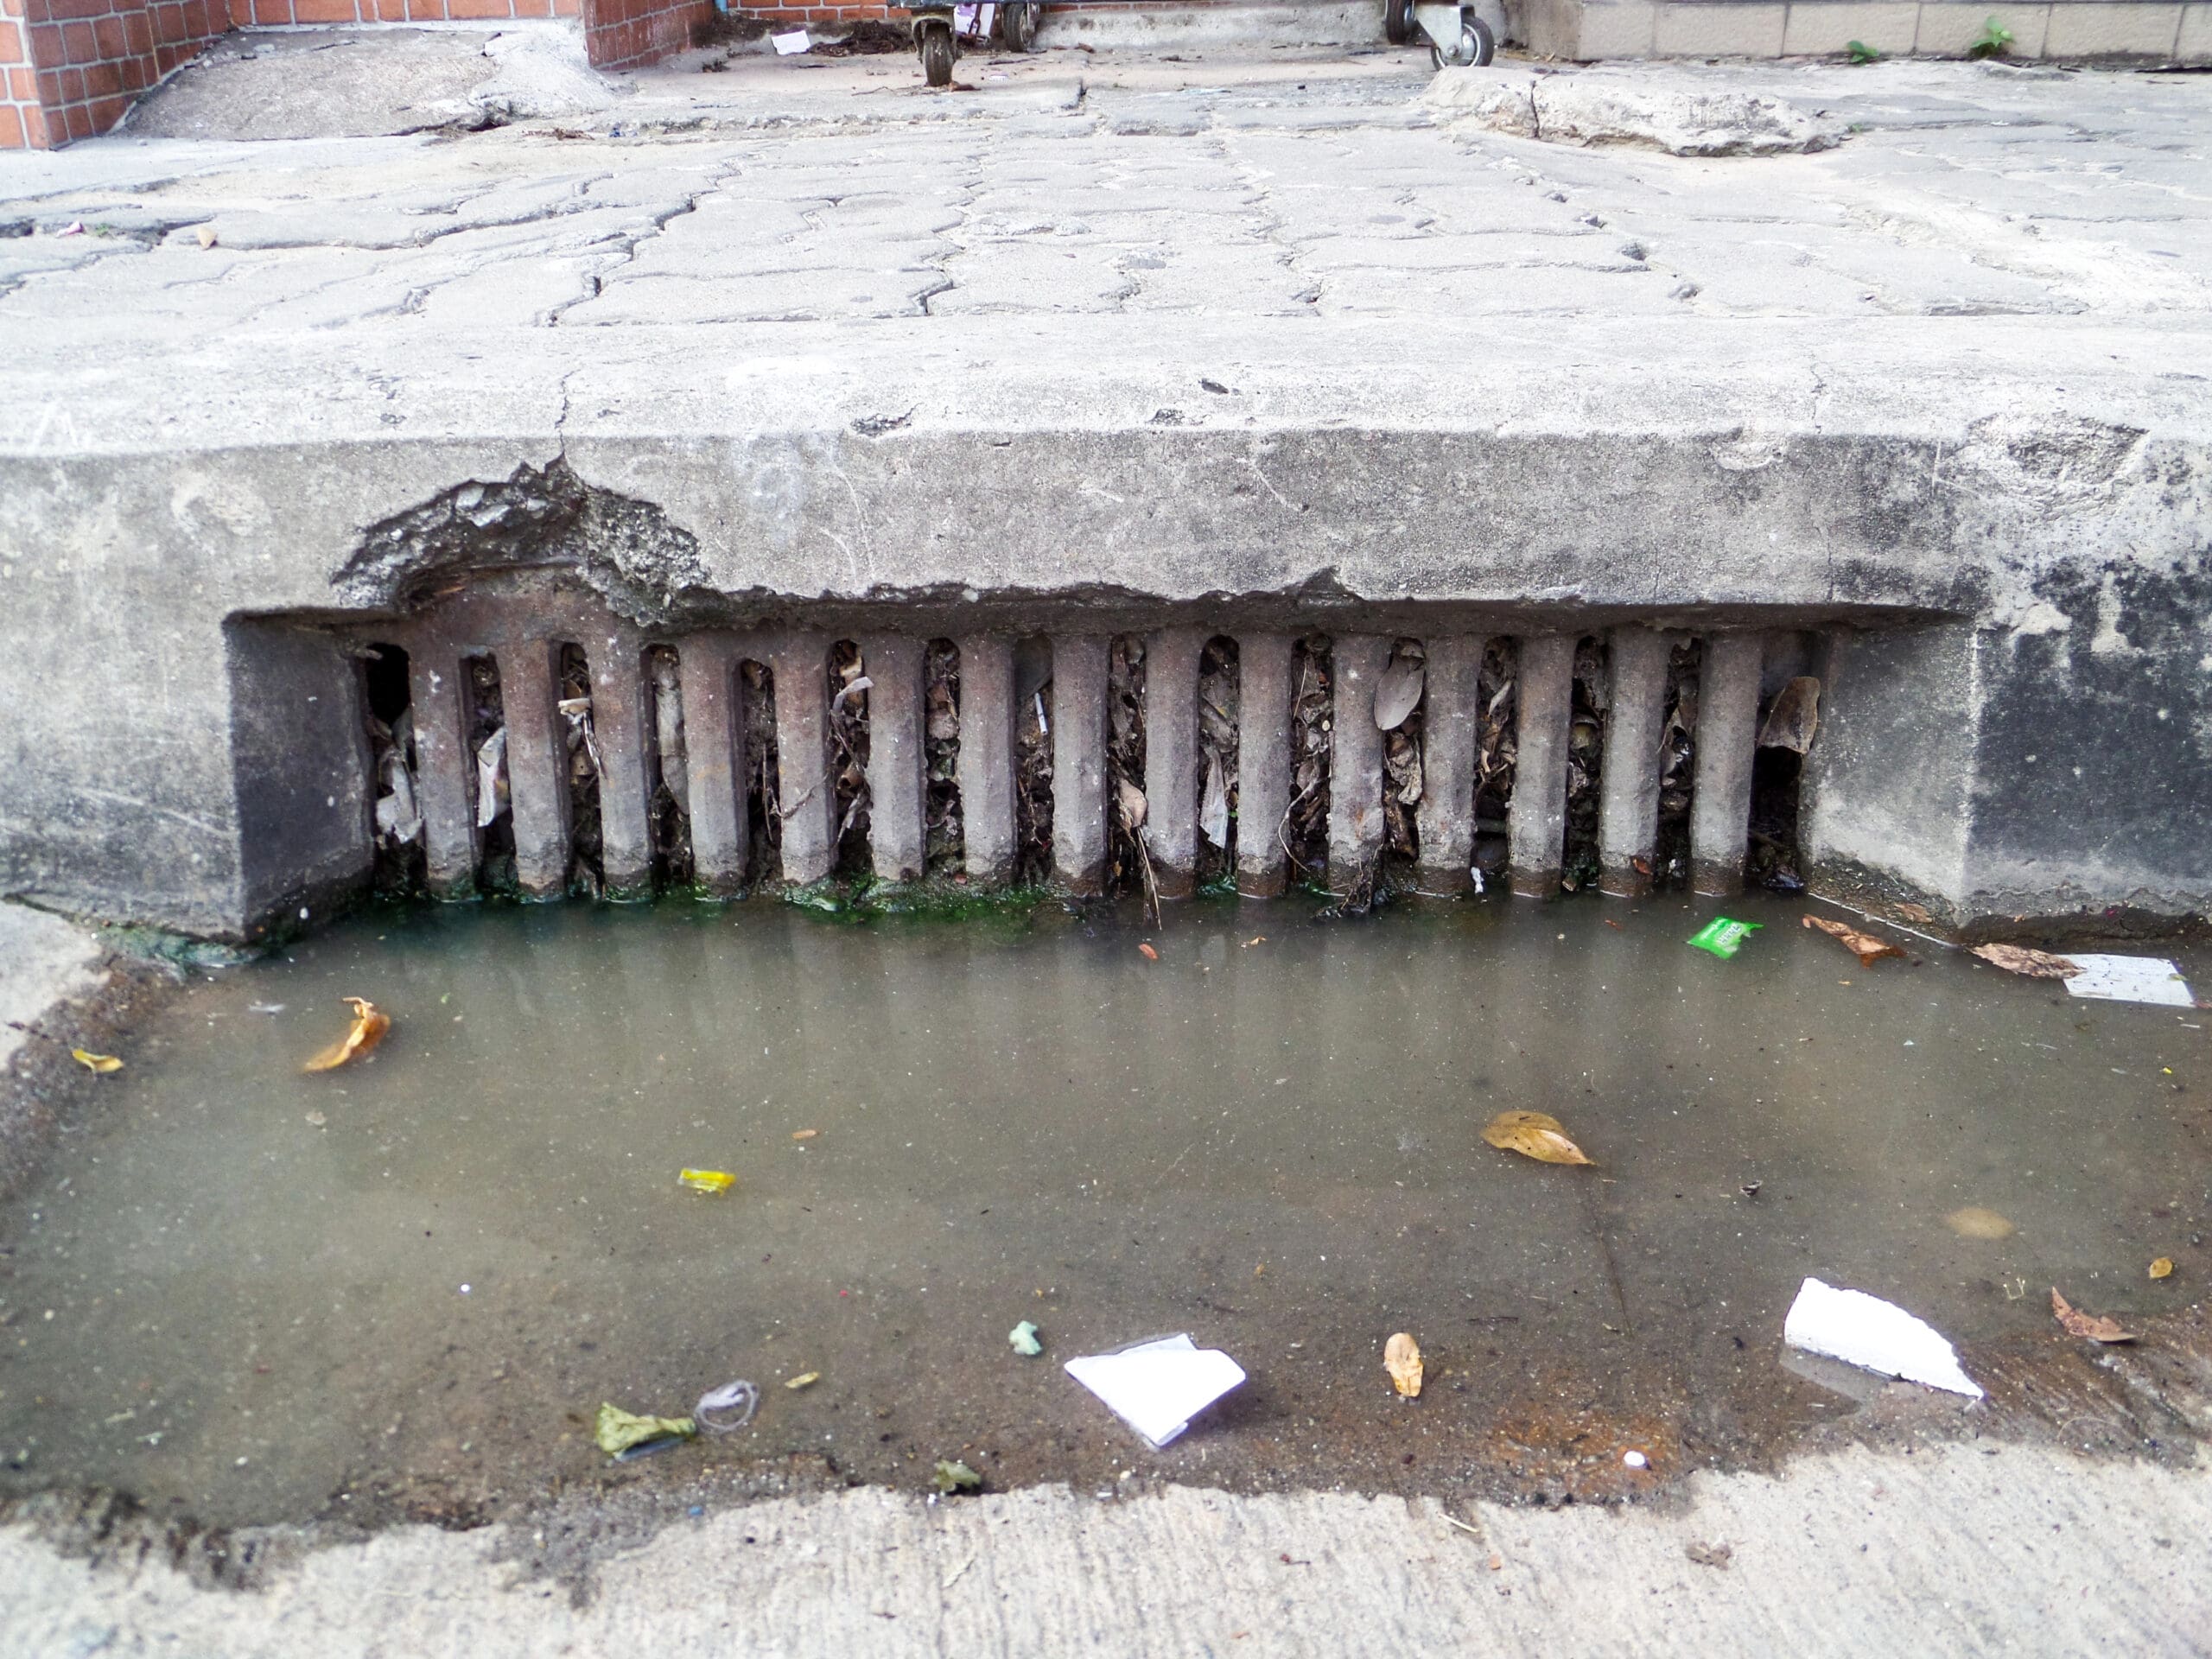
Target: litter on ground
pixel 1157 1387
pixel 1875 1336
pixel 2130 979
pixel 1023 1340
pixel 1724 938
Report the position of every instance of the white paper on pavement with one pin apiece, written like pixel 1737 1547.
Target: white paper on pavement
pixel 2130 979
pixel 790 45
pixel 1157 1387
pixel 1874 1335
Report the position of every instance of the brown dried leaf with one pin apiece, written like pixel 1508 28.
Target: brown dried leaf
pixel 2097 1327
pixel 370 1024
pixel 1129 801
pixel 805 1134
pixel 1534 1135
pixel 1402 1358
pixel 2163 1268
pixel 1148 953
pixel 1868 949
pixel 1795 716
pixel 2036 965
pixel 92 1062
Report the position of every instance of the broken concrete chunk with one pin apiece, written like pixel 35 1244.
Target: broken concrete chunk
pixel 1602 108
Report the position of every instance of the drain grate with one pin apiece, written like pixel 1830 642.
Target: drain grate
pixel 578 754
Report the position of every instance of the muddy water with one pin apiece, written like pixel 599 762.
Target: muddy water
pixel 249 1295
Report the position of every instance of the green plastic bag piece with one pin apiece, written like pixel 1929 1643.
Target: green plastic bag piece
pixel 953 1476
pixel 1724 938
pixel 619 1431
pixel 1024 1339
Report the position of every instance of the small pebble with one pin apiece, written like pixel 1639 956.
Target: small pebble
pixel 1635 1459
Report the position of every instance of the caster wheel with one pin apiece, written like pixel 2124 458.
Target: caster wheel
pixel 1397 21
pixel 937 57
pixel 1477 45
pixel 1018 26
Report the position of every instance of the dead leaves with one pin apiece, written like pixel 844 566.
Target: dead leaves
pixel 2163 1268
pixel 1534 1135
pixel 1868 949
pixel 1148 953
pixel 2097 1327
pixel 2036 965
pixel 1402 1358
pixel 102 1064
pixel 370 1024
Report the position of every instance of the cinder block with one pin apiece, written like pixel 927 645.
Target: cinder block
pixel 1723 31
pixel 1947 31
pixel 1818 27
pixel 2099 28
pixel 1617 29
pixel 2194 44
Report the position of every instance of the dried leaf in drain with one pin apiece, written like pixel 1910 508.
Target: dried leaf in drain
pixel 1868 949
pixel 92 1062
pixel 1397 692
pixel 1534 1135
pixel 2036 965
pixel 370 1024
pixel 1402 1358
pixel 1129 800
pixel 2097 1327
pixel 1795 716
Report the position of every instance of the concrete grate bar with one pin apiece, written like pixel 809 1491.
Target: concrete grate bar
pixel 714 738
pixel 437 689
pixel 807 796
pixel 622 716
pixel 537 763
pixel 1262 762
pixel 1079 762
pixel 1627 809
pixel 1451 728
pixel 984 764
pixel 1171 758
pixel 898 809
pixel 1720 802
pixel 1536 818
pixel 1355 762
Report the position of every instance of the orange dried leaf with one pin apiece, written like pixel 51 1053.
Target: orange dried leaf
pixel 1868 949
pixel 2163 1268
pixel 2097 1327
pixel 1402 1358
pixel 1150 955
pixel 370 1024
pixel 2036 965
pixel 1534 1135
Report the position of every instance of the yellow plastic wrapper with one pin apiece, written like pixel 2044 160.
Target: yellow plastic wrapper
pixel 707 1181
pixel 619 1432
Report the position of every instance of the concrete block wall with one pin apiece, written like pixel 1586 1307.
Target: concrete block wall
pixel 2075 31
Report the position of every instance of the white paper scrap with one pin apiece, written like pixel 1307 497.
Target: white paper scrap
pixel 1157 1387
pixel 790 45
pixel 1875 1336
pixel 2130 979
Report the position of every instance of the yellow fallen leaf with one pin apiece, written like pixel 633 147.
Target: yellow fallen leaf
pixel 92 1062
pixel 707 1181
pixel 2163 1268
pixel 1402 1358
pixel 1974 1222
pixel 1868 949
pixel 803 1380
pixel 1534 1135
pixel 2036 965
pixel 370 1024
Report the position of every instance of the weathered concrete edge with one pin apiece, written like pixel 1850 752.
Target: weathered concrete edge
pixel 1950 1549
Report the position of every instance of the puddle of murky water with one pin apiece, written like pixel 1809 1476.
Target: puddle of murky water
pixel 250 1294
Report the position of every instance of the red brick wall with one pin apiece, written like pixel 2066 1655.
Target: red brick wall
pixel 625 34
pixel 74 65
pixel 265 12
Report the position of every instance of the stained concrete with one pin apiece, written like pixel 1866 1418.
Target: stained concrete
pixel 1152 334
pixel 1965 1549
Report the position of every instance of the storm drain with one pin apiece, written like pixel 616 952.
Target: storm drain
pixel 579 754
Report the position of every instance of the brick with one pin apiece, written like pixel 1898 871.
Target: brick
pixel 72 86
pixel 106 111
pixel 426 11
pixel 266 12
pixel 22 84
pixel 567 9
pixel 137 32
pixel 472 9
pixel 38 132
pixel 49 87
pixel 102 81
pixel 75 124
pixel 137 73
pixel 107 33
pixel 11 43
pixel 11 128
pixel 46 45
pixel 324 11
